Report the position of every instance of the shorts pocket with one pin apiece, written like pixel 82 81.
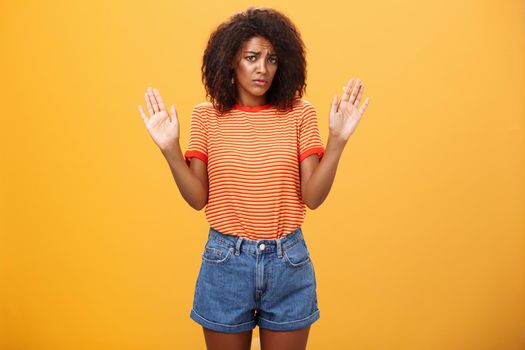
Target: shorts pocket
pixel 297 255
pixel 216 252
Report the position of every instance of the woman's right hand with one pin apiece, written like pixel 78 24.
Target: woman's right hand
pixel 163 127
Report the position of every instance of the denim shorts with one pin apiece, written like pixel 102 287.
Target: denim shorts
pixel 243 283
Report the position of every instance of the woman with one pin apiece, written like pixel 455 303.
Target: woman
pixel 255 159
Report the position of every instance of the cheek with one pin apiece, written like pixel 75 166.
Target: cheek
pixel 274 70
pixel 243 69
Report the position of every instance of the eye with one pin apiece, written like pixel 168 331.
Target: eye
pixel 249 58
pixel 273 60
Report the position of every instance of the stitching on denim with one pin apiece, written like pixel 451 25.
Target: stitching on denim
pixel 287 244
pixel 222 324
pixel 298 264
pixel 223 241
pixel 230 251
pixel 302 319
pixel 214 251
pixel 291 243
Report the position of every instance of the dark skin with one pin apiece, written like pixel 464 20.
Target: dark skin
pixel 270 340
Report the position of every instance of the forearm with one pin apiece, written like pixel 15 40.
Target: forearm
pixel 191 188
pixel 318 185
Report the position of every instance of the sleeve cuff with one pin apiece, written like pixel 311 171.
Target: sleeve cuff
pixel 315 150
pixel 197 154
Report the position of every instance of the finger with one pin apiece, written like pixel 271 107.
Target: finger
pixel 359 95
pixel 333 108
pixel 364 106
pixel 159 99
pixel 346 93
pixel 173 112
pixel 153 101
pixel 148 105
pixel 142 114
pixel 354 91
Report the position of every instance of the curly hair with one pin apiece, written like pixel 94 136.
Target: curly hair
pixel 289 83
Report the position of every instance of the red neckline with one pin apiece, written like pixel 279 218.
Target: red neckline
pixel 252 109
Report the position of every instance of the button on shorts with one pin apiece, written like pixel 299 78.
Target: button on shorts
pixel 243 283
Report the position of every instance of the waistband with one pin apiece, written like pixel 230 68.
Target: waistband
pixel 260 246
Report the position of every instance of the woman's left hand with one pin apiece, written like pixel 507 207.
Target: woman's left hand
pixel 345 115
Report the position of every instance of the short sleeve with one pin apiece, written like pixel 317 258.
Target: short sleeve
pixel 309 138
pixel 198 144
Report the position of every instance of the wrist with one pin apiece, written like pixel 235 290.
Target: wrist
pixel 336 142
pixel 172 148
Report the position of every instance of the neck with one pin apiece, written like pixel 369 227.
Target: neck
pixel 251 101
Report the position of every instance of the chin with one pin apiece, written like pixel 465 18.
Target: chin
pixel 259 93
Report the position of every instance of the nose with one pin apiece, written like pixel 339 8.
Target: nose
pixel 262 67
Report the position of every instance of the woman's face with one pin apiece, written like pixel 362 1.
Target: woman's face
pixel 255 68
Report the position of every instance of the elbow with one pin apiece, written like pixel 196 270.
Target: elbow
pixel 199 206
pixel 200 202
pixel 196 207
pixel 310 204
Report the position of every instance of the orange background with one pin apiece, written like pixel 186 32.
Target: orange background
pixel 420 244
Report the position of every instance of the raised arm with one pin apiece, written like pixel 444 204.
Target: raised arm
pixel 317 176
pixel 163 128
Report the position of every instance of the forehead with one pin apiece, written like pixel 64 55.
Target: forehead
pixel 257 44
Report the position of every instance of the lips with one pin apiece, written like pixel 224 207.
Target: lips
pixel 260 81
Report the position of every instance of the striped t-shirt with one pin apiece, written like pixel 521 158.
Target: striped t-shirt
pixel 253 156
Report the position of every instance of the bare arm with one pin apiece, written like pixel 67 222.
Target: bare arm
pixel 192 181
pixel 164 130
pixel 317 177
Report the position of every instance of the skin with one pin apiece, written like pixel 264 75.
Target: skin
pixel 270 340
pixel 256 59
pixel 316 176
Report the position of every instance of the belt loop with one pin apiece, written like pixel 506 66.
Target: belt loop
pixel 279 248
pixel 238 246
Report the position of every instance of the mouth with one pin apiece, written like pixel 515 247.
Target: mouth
pixel 260 82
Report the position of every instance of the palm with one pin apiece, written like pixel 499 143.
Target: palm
pixel 163 127
pixel 345 116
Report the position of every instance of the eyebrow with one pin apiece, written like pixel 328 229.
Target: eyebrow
pixel 258 53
